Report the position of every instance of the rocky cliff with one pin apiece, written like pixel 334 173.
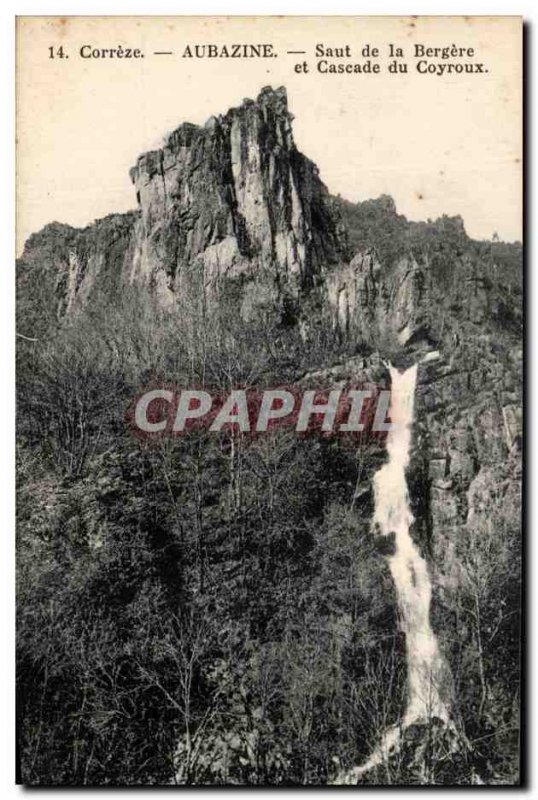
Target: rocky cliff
pixel 235 199
pixel 234 202
pixel 231 199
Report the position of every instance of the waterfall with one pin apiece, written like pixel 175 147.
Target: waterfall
pixel 427 672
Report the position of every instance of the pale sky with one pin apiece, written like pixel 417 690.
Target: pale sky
pixel 449 144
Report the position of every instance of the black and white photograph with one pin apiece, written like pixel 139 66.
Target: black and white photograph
pixel 269 390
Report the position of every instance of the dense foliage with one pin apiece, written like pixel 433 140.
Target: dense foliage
pixel 213 609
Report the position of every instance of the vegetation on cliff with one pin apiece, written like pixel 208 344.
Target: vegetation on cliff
pixel 214 609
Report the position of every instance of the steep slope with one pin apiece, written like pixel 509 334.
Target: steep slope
pixel 234 198
pixel 233 205
pixel 231 199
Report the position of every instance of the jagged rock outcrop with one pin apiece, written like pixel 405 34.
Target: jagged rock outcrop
pixel 234 203
pixel 467 457
pixel 371 305
pixel 233 198
pixel 63 268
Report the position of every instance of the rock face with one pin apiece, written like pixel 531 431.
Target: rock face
pixel 233 203
pixel 368 303
pixel 63 268
pixel 467 460
pixel 233 198
pixel 439 284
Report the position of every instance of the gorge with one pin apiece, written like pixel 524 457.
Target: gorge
pixel 220 610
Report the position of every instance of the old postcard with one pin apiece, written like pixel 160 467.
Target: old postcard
pixel 269 425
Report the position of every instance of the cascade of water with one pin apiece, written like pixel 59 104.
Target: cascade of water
pixel 427 671
pixel 426 668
